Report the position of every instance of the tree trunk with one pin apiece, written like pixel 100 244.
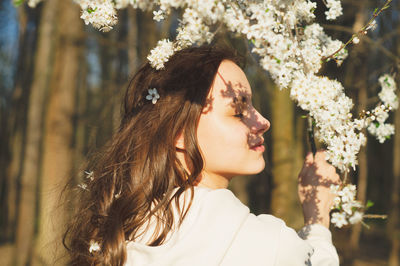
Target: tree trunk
pixel 30 170
pixel 16 122
pixel 132 40
pixel 301 145
pixel 393 226
pixel 59 132
pixel 362 164
pixel 147 34
pixel 284 200
pixel 361 83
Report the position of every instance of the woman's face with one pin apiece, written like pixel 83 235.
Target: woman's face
pixel 230 129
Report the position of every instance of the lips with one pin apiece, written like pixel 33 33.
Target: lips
pixel 259 145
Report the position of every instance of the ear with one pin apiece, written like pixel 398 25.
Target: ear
pixel 180 142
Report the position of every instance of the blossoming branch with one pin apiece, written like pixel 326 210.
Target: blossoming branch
pixel 291 47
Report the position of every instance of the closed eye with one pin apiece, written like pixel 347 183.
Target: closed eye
pixel 239 115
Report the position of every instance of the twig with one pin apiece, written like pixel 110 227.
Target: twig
pixel 344 182
pixel 310 131
pixel 377 43
pixel 362 31
pixel 375 216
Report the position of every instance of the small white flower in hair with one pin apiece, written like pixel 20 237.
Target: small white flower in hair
pixel 153 95
pixel 89 175
pixel 94 246
pixel 83 186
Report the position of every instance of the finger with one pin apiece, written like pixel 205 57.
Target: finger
pixel 320 155
pixel 338 181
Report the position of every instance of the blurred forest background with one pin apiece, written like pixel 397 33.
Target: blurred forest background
pixel 60 91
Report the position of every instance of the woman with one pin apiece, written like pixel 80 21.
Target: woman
pixel 157 193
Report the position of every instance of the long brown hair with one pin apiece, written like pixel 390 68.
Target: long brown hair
pixel 135 175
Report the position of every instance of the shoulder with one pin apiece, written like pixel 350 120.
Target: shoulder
pixel 266 240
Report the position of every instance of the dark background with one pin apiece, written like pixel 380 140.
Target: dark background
pixel 60 89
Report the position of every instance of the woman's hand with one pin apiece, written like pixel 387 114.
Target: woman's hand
pixel 315 179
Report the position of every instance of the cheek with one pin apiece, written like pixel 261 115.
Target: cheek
pixel 221 135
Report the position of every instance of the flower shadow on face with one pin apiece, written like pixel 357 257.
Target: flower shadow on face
pixel 239 96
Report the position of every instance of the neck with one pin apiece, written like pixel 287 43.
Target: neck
pixel 213 181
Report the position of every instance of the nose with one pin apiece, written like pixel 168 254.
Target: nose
pixel 260 124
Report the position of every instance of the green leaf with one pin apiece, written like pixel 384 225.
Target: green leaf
pixel 369 204
pixel 387 137
pixel 375 10
pixel 303 116
pixel 90 11
pixel 386 80
pixel 18 2
pixel 377 124
pixel 266 10
pixel 278 60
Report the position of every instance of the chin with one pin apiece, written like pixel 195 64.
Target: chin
pixel 256 169
pixel 262 166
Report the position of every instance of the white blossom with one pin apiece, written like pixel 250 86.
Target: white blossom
pixel 356 40
pixel 161 53
pixel 334 9
pixel 89 175
pixel 82 186
pixel 381 131
pixel 350 210
pixel 94 246
pixel 347 193
pixel 33 3
pixel 100 13
pixel 158 15
pixel 388 93
pixel 347 208
pixel 372 26
pixel 153 95
pixel 356 218
pixel 377 126
pixel 339 219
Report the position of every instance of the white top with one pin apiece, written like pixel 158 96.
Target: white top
pixel 219 230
